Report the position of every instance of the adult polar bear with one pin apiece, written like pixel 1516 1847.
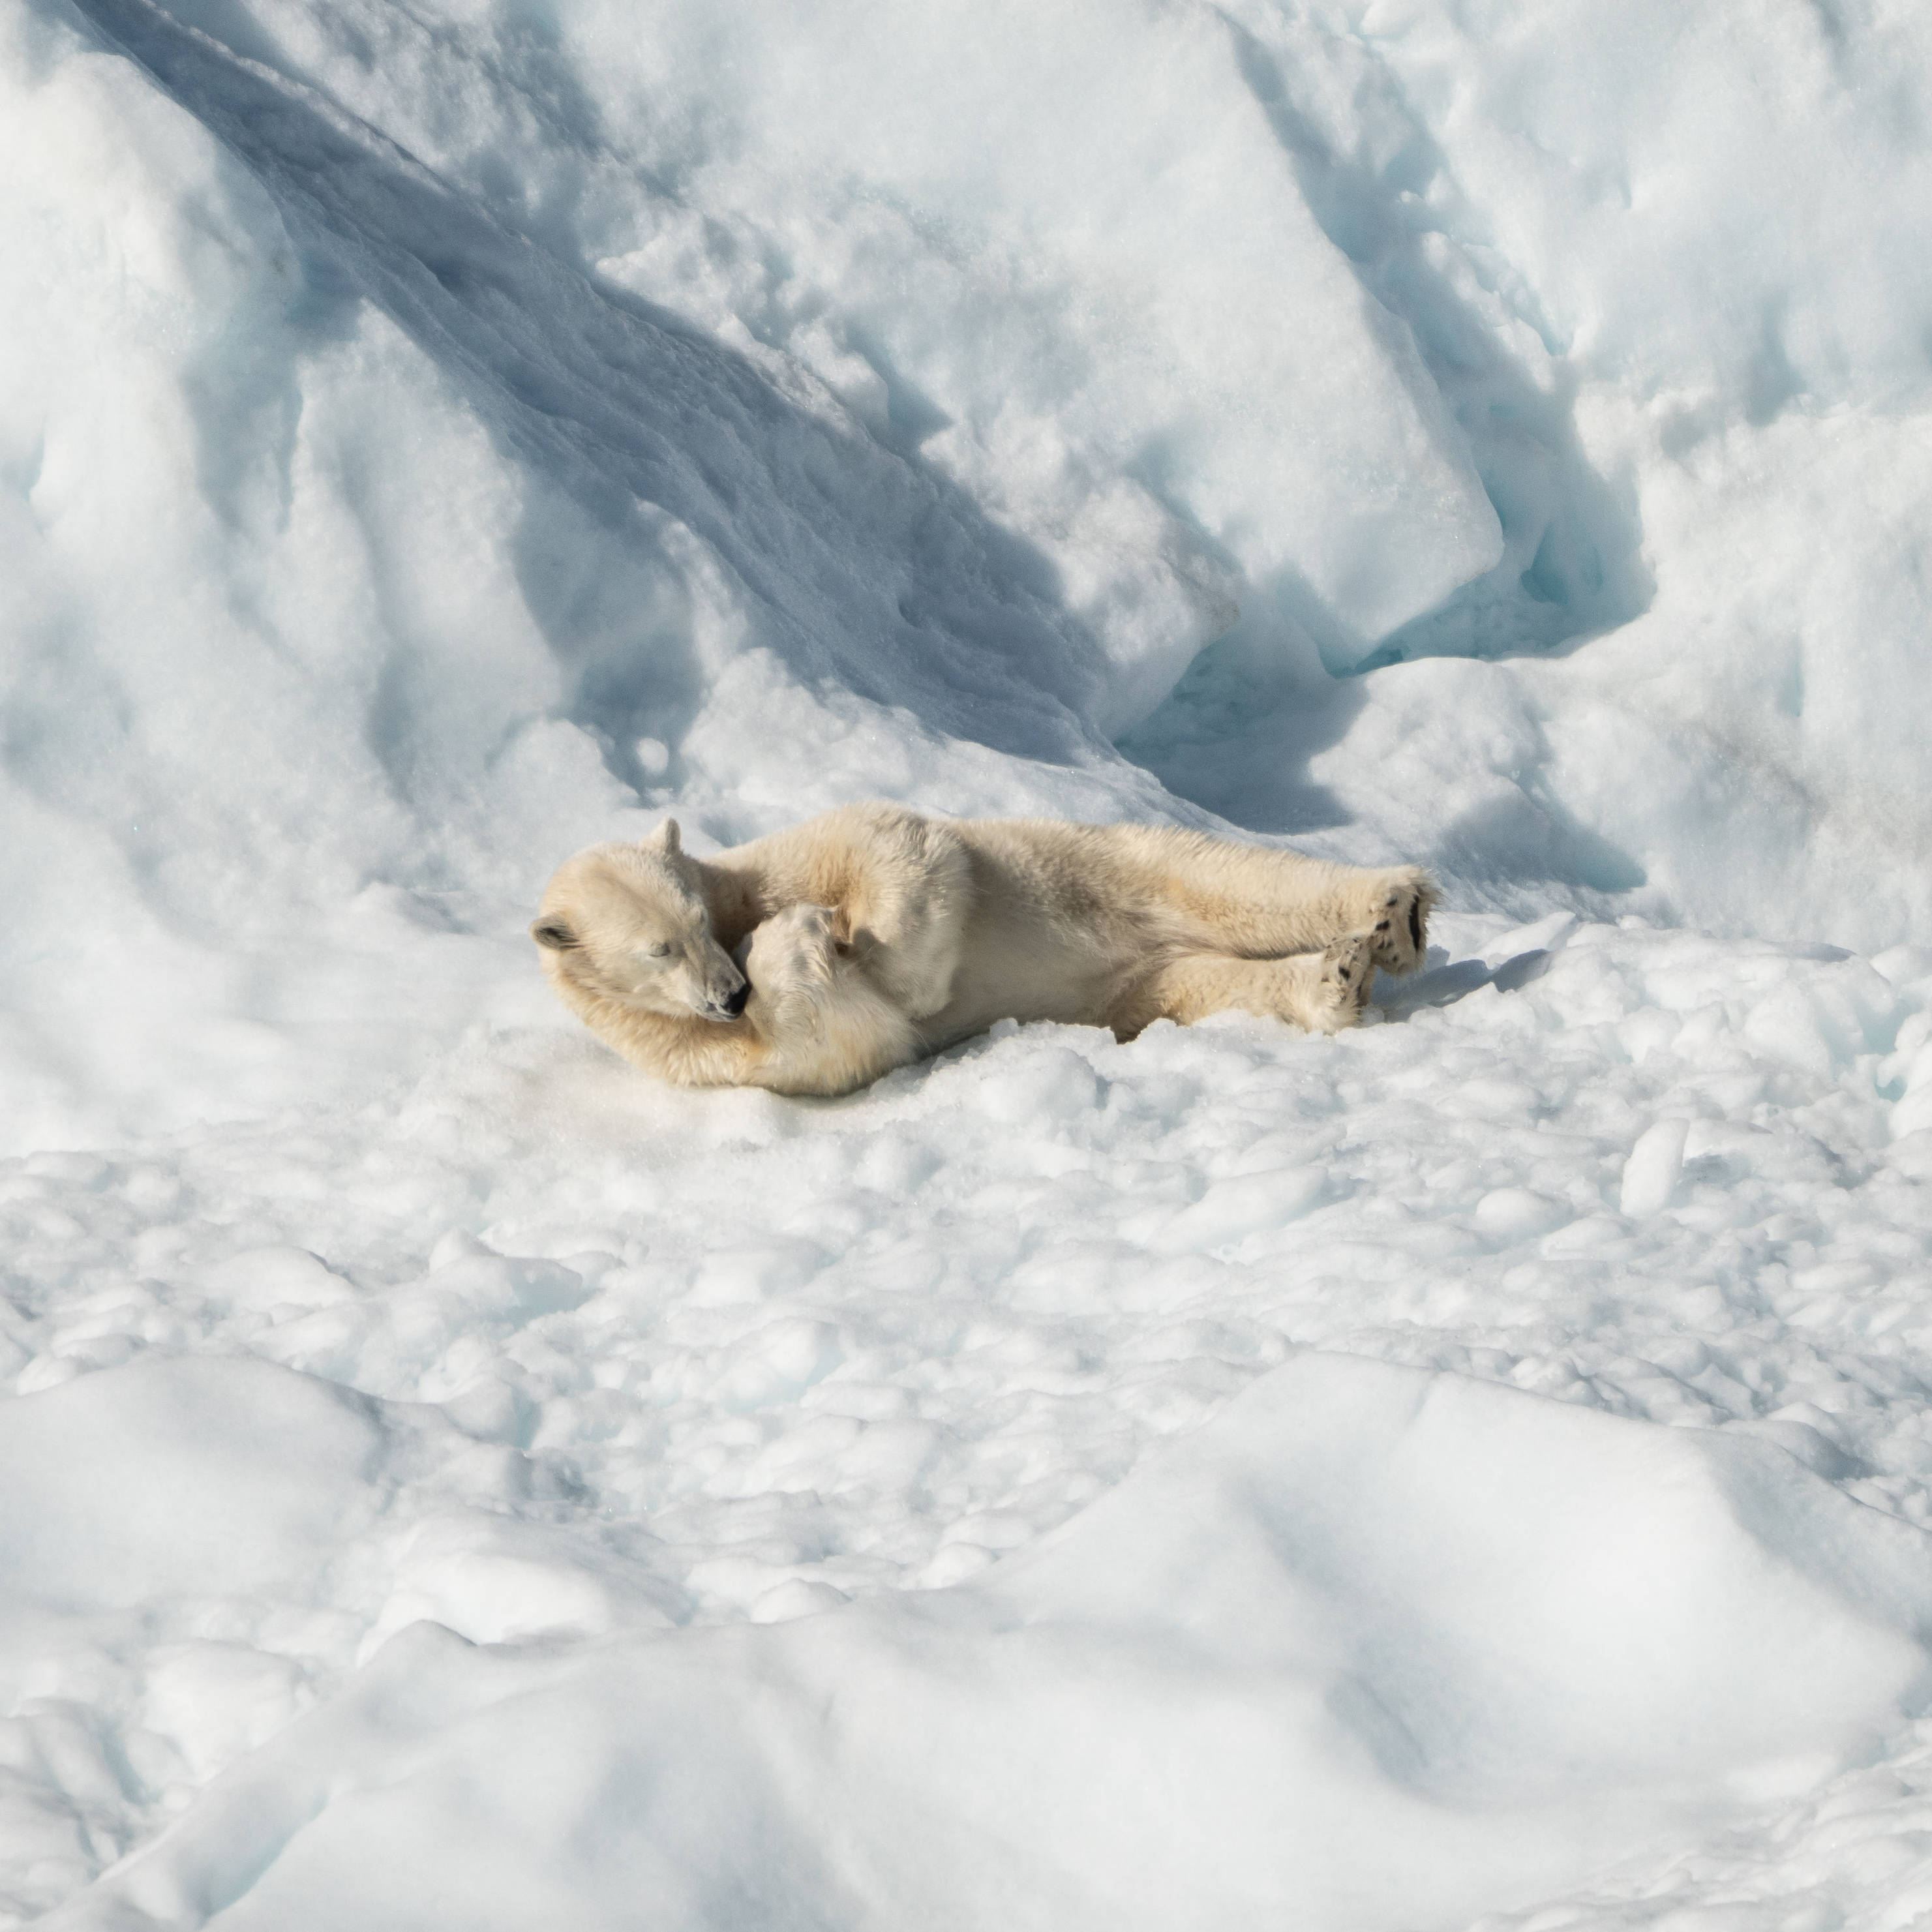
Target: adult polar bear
pixel 818 958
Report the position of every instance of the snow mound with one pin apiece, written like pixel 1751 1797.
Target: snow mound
pixel 168 1478
pixel 1365 1607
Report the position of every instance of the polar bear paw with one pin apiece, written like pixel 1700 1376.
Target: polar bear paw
pixel 1401 933
pixel 1342 978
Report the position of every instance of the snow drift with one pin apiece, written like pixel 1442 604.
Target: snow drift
pixel 1364 1608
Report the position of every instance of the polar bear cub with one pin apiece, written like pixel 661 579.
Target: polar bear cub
pixel 817 959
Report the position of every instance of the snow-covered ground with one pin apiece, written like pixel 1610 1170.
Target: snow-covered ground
pixel 1471 1472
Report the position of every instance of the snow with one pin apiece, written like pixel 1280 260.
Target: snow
pixel 1471 1471
pixel 1550 1452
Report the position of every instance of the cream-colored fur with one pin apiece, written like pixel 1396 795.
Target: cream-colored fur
pixel 818 958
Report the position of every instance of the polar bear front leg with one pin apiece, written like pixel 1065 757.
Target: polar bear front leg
pixel 790 960
pixel 823 1026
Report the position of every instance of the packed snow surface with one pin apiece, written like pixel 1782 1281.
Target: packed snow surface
pixel 1476 1470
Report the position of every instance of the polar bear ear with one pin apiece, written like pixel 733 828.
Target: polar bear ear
pixel 553 934
pixel 665 839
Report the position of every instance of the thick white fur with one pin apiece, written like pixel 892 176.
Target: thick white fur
pixel 871 936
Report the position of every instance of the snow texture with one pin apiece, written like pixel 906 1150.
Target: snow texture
pixel 1471 1471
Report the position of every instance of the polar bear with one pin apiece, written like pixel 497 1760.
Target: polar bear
pixel 817 959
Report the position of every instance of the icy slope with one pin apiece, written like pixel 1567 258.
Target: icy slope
pixel 423 434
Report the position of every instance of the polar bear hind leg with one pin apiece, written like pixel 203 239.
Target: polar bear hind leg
pixel 1323 992
pixel 1401 922
pixel 1261 902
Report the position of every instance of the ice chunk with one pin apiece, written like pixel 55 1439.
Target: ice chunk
pixel 1650 1174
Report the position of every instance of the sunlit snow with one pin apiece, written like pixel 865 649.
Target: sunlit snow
pixel 1472 1471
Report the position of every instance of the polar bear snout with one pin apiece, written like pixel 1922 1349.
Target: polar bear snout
pixel 718 1005
pixel 711 984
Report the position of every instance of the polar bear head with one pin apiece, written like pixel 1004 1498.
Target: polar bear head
pixel 628 923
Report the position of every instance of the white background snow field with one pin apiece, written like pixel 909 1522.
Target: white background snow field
pixel 1473 1472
